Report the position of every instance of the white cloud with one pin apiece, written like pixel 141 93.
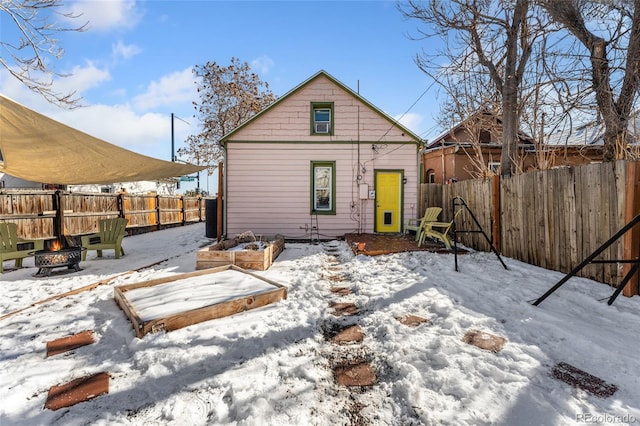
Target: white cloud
pixel 148 134
pixel 411 121
pixel 121 50
pixel 81 78
pixel 106 15
pixel 77 81
pixel 178 87
pixel 262 65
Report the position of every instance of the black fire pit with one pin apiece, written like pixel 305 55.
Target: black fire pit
pixel 46 260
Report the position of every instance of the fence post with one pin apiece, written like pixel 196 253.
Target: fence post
pixel 184 211
pixel 58 222
pixel 158 211
pixel 120 202
pixel 496 230
pixel 631 240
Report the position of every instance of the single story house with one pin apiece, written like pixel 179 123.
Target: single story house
pixel 320 162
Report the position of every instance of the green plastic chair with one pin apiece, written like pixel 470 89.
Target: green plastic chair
pixel 14 247
pixel 112 231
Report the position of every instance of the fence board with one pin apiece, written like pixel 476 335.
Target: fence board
pixel 34 211
pixel 553 218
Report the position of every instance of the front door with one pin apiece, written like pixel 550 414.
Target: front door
pixel 388 185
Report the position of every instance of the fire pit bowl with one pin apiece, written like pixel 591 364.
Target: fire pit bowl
pixel 46 260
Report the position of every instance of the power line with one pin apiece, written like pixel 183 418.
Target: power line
pixel 397 121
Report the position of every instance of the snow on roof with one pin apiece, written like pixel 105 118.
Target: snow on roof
pixel 592 133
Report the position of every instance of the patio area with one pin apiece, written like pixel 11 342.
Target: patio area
pixel 378 244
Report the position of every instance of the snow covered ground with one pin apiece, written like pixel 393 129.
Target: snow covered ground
pixel 273 365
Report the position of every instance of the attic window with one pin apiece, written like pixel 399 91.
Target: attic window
pixel 322 118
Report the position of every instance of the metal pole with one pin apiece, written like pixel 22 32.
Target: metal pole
pixel 589 258
pixel 624 282
pixel 173 156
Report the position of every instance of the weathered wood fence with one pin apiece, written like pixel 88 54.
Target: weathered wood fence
pixel 554 218
pixel 50 214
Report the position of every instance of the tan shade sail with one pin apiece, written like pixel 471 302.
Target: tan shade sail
pixel 36 148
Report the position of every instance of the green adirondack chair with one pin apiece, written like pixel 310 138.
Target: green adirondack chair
pixel 430 215
pixel 112 231
pixel 14 247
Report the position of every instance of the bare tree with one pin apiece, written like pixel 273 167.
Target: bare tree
pixel 29 58
pixel 613 49
pixel 228 97
pixel 472 109
pixel 498 36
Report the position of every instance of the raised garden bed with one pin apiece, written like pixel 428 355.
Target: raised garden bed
pixel 170 303
pixel 256 255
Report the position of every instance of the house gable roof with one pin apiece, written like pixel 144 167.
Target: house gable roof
pixel 321 74
pixel 437 141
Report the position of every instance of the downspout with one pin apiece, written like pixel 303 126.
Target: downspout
pixel 444 174
pixel 222 187
pixel 455 155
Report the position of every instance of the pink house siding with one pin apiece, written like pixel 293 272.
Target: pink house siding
pixel 268 164
pixel 290 120
pixel 269 198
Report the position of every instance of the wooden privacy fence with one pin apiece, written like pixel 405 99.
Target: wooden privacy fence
pixel 51 214
pixel 554 218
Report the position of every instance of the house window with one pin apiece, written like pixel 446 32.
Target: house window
pixel 494 167
pixel 321 118
pixel 323 187
pixel 431 176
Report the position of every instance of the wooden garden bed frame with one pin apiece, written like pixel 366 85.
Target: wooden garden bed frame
pixel 219 255
pixel 194 316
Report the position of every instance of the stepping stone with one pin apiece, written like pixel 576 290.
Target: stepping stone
pixel 79 390
pixel 68 343
pixel 582 380
pixel 351 334
pixel 342 291
pixel 412 320
pixel 344 308
pixel 360 374
pixel 484 340
pixel 336 278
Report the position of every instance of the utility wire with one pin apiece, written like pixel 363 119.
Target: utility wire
pixel 396 122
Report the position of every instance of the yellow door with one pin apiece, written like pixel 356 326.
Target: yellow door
pixel 388 201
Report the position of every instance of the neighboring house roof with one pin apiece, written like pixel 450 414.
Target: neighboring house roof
pixel 593 133
pixel 437 142
pixel 317 75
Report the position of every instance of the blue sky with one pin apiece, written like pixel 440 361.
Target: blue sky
pixel 133 65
